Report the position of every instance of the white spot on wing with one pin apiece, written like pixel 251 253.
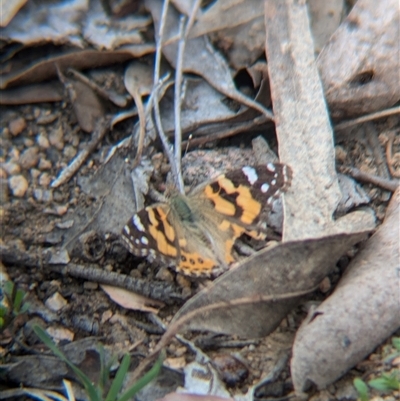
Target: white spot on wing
pixel 271 167
pixel 137 223
pixel 127 230
pixel 144 241
pixel 264 188
pixel 273 182
pixel 251 174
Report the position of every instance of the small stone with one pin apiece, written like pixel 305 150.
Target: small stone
pixel 44 164
pixel 43 141
pixel 165 274
pixel 18 185
pixel 34 173
pixel 17 126
pixel 43 195
pixel 56 138
pixel 28 142
pixel 29 158
pixel 60 334
pixel 61 210
pixel 183 281
pixel 56 302
pixel 12 168
pixel 69 152
pixel 44 180
pixel 3 173
pixel 325 285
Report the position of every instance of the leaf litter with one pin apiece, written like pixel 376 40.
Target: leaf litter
pixel 311 228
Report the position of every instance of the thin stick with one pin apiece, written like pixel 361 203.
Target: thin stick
pixel 100 130
pixel 178 103
pixel 389 185
pixel 389 156
pixel 369 117
pixel 183 36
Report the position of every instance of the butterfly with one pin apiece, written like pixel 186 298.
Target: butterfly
pixel 195 233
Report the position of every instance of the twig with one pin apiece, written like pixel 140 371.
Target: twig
pixel 369 117
pixel 230 130
pixel 183 36
pixel 100 130
pixel 142 128
pixel 389 185
pixel 177 105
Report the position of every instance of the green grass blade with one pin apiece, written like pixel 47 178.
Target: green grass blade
pixel 143 381
pixel 90 389
pixel 361 388
pixel 18 299
pixel 385 383
pixel 119 378
pixel 396 342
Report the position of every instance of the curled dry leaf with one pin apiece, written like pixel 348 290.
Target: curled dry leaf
pixel 36 93
pixel 131 300
pixel 46 69
pixel 251 299
pixel 361 313
pixel 360 66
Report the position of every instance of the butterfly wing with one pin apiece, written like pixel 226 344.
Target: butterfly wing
pixel 241 195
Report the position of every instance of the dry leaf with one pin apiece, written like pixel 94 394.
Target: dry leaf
pixel 37 93
pixel 251 299
pixel 361 313
pixel 360 64
pixel 46 69
pixel 130 300
pixel 9 9
pixel 87 107
pixel 200 58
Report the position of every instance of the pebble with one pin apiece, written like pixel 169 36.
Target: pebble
pixel 43 141
pixel 12 168
pixel 18 185
pixel 165 275
pixel 43 195
pixel 17 126
pixel 69 152
pixel 34 173
pixel 28 142
pixel 325 285
pixel 56 302
pixel 56 138
pixel 44 164
pixel 44 180
pixel 61 210
pixel 3 173
pixel 29 158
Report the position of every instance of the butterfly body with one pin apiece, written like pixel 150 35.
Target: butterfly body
pixel 195 233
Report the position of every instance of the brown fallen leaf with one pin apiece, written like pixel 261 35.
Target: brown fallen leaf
pixel 359 66
pixel 251 299
pixel 131 300
pixel 87 106
pixel 46 69
pixel 36 93
pixel 361 313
